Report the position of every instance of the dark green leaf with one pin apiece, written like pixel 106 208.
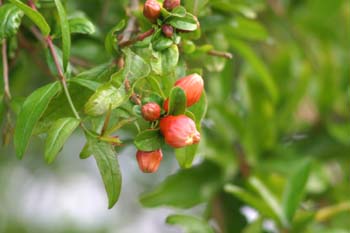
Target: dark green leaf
pixel 90 84
pixel 162 43
pixel 35 16
pixel 185 189
pixel 66 40
pixel 109 168
pixel 32 109
pixel 177 101
pixel 58 135
pixel 148 140
pixel 10 20
pixel 294 190
pixel 189 223
pixel 85 152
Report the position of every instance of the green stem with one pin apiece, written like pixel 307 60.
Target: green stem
pixel 119 125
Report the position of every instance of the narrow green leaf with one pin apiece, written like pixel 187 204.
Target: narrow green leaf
pixel 10 20
pixel 294 190
pixel 109 168
pixel 251 200
pixel 32 109
pixel 58 135
pixel 189 223
pixel 90 84
pixel 269 198
pixel 200 109
pixel 66 40
pixel 135 66
pixel 35 16
pixel 177 101
pixel 81 25
pixel 148 140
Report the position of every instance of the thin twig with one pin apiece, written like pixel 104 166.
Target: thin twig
pixel 140 37
pixel 220 54
pixel 5 66
pixel 131 27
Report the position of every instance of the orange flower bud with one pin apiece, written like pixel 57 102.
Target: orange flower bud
pixel 167 30
pixel 151 10
pixel 179 131
pixel 150 111
pixel 149 161
pixel 193 86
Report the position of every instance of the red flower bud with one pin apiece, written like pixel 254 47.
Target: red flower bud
pixel 167 30
pixel 171 4
pixel 193 86
pixel 179 131
pixel 149 160
pixel 150 111
pixel 151 10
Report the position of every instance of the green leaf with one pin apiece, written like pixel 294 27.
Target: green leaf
pixel 177 101
pixel 187 23
pixel 111 38
pixel 148 140
pixel 57 136
pixel 269 199
pixel 81 25
pixel 247 29
pixel 162 43
pixel 106 97
pixel 200 109
pixel 90 84
pixel 10 20
pixel 185 155
pixel 185 188
pixel 135 66
pixel 85 152
pixel 195 6
pixel 257 65
pixel 179 11
pixel 294 190
pixel 35 16
pixel 165 62
pixel 32 109
pixel 109 168
pixel 66 40
pixel 189 223
pixel 251 200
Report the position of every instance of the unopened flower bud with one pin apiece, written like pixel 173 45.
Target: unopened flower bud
pixel 149 161
pixel 179 131
pixel 171 4
pixel 167 30
pixel 150 111
pixel 151 10
pixel 193 86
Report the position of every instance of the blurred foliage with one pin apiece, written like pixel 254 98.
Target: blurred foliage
pixel 276 136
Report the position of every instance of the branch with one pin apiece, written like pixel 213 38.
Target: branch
pixel 5 66
pixel 220 54
pixel 131 27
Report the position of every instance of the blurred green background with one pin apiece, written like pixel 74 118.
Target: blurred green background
pixel 278 119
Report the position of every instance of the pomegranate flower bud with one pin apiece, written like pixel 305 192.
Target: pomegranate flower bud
pixel 179 131
pixel 193 86
pixel 149 160
pixel 167 30
pixel 171 4
pixel 151 10
pixel 150 111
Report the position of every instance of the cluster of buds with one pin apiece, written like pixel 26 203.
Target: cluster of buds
pixel 152 11
pixel 178 130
